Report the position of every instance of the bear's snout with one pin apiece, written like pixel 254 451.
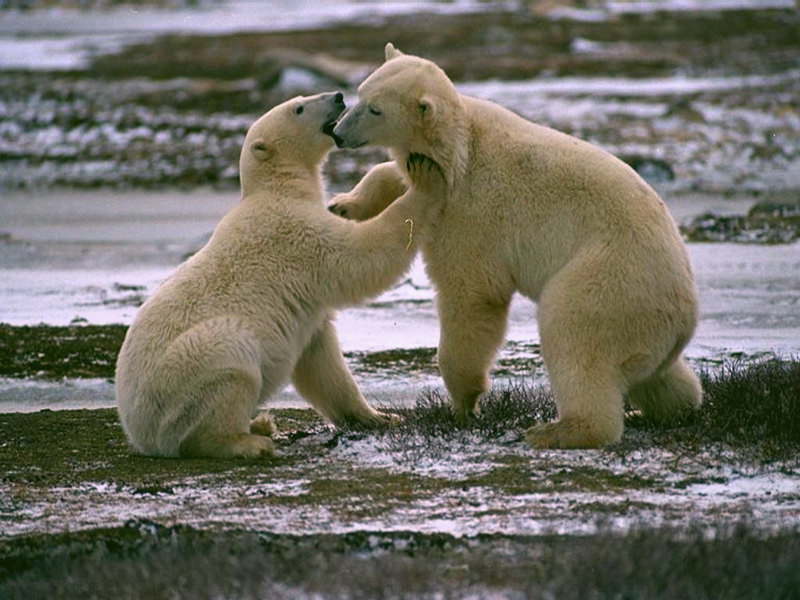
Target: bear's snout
pixel 331 119
pixel 344 129
pixel 335 98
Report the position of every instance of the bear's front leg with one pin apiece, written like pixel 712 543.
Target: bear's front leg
pixel 381 186
pixel 471 333
pixel 321 376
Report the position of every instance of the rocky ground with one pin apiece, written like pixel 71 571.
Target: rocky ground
pixel 767 222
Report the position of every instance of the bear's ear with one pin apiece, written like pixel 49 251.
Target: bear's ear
pixel 260 150
pixel 428 109
pixel 391 52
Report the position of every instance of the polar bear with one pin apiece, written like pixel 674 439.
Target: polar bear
pixel 253 308
pixel 532 210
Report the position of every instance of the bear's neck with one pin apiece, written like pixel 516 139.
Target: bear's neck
pixel 294 181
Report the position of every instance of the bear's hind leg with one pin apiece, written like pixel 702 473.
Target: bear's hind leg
pixel 590 409
pixel 225 431
pixel 668 395
pixel 587 386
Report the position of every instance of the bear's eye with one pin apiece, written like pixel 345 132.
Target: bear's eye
pixel 299 110
pixel 374 111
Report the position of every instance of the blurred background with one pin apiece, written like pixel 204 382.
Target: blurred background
pixel 121 125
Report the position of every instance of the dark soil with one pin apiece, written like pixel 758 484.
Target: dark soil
pixel 48 352
pixel 61 448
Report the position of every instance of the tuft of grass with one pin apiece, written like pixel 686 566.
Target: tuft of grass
pixel 429 429
pixel 147 560
pixel 514 406
pixel 754 404
pixel 752 408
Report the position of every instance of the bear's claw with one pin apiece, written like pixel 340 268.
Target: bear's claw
pixel 342 206
pixel 425 174
pixel 375 419
pixel 338 209
pixel 417 161
pixel 254 446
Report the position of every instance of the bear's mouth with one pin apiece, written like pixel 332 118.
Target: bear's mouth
pixel 327 129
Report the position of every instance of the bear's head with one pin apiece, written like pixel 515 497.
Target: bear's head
pixel 404 106
pixel 296 132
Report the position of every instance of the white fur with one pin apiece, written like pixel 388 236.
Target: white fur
pixel 253 308
pixel 532 210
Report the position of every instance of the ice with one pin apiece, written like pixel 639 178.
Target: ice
pixel 94 255
pixel 513 92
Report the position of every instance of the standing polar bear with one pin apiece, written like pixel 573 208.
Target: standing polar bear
pixel 253 308
pixel 529 209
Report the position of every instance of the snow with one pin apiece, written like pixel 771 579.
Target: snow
pixel 681 490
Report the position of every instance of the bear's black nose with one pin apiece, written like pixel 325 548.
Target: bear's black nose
pixel 338 98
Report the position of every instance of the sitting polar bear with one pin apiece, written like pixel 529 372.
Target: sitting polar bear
pixel 253 308
pixel 529 209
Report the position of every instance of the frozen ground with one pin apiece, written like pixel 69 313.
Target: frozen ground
pixel 93 256
pixel 690 112
pixel 458 482
pixel 558 492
